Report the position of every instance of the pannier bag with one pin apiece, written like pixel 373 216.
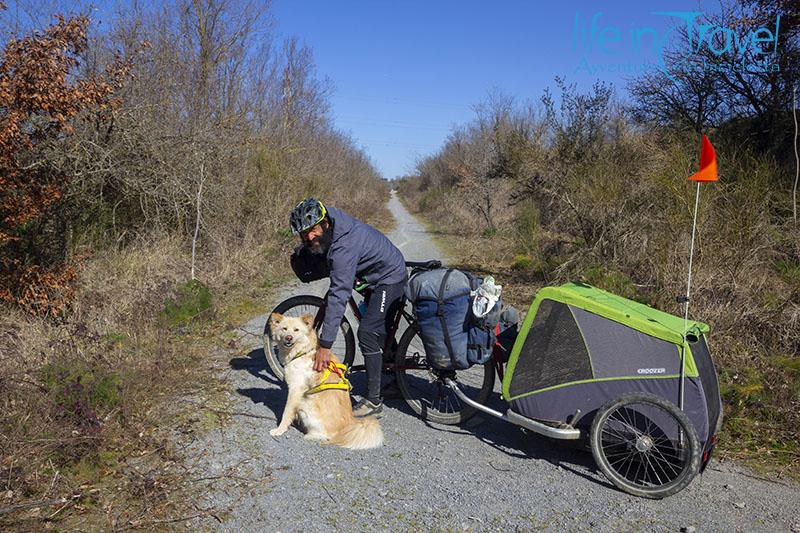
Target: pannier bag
pixel 307 266
pixel 452 336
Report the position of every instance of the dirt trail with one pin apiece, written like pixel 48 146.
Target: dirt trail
pixel 487 476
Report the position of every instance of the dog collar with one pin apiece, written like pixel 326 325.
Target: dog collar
pixel 301 354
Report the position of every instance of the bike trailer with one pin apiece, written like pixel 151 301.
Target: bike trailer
pixel 581 347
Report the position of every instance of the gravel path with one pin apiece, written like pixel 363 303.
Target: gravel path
pixel 487 476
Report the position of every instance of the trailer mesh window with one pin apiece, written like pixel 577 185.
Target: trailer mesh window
pixel 553 352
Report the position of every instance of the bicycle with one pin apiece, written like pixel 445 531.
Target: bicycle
pixel 423 387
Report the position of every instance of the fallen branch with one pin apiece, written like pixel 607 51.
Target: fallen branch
pixel 328 493
pixel 138 525
pixel 753 476
pixel 33 505
pixel 242 413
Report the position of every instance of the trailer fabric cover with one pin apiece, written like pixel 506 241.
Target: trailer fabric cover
pixel 708 376
pixel 559 404
pixel 616 350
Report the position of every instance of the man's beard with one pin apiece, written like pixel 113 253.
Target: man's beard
pixel 323 243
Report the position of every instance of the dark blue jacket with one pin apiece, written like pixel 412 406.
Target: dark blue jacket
pixel 357 249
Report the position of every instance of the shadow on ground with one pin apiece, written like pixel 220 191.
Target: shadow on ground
pixel 501 435
pixel 519 443
pixel 255 364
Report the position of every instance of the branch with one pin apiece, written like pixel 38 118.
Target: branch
pixel 796 157
pixel 32 505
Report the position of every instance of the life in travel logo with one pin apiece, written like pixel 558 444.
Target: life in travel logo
pixel 689 43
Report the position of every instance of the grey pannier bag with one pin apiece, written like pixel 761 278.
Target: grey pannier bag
pixel 452 337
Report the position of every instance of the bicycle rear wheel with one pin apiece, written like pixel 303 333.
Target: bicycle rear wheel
pixel 423 387
pixel 344 347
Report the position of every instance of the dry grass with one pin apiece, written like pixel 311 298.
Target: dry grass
pixel 79 397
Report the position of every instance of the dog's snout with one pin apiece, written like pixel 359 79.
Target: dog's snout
pixel 289 337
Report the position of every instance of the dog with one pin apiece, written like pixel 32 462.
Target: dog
pixel 325 415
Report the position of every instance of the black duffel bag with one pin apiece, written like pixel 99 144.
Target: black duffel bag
pixel 307 266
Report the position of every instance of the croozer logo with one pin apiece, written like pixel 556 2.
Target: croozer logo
pixel 651 371
pixel 690 43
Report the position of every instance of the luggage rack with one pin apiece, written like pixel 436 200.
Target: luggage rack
pixel 568 433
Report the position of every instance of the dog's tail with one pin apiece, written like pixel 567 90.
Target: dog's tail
pixel 362 434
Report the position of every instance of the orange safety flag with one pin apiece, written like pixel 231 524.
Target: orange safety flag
pixel 708 163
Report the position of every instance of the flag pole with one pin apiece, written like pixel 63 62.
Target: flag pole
pixel 686 298
pixel 707 172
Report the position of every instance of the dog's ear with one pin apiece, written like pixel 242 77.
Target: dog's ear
pixel 308 320
pixel 274 318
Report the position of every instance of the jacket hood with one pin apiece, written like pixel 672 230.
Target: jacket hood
pixel 342 223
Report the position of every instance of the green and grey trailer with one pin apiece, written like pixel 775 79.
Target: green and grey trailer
pixel 640 383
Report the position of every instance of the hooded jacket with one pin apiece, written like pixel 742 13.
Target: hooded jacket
pixel 357 250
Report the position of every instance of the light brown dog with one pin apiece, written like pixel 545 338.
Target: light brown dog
pixel 326 415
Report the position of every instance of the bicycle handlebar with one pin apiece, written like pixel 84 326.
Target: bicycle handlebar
pixel 360 285
pixel 424 265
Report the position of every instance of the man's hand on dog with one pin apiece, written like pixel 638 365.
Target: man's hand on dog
pixel 322 358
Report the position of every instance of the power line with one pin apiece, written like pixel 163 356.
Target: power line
pixel 392 125
pixel 421 103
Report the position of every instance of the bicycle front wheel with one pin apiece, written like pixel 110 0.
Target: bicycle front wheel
pixel 423 387
pixel 344 347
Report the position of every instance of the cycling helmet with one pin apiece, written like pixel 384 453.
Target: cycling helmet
pixel 306 215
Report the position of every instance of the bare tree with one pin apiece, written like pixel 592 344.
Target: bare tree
pixel 746 91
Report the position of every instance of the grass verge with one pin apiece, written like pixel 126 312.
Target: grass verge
pixel 93 406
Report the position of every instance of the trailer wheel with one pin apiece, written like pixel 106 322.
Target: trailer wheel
pixel 645 445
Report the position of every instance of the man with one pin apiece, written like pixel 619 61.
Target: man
pixel 353 249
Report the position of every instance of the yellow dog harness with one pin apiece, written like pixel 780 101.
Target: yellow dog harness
pixel 343 383
pixel 338 369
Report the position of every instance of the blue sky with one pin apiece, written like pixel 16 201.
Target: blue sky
pixel 405 72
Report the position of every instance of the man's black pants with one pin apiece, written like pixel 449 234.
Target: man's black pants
pixel 373 330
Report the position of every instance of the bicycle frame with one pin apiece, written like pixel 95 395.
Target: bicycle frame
pixel 391 335
pixel 497 360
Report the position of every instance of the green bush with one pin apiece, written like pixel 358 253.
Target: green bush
pixel 789 271
pixel 522 262
pixel 79 392
pixel 192 299
pixel 527 227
